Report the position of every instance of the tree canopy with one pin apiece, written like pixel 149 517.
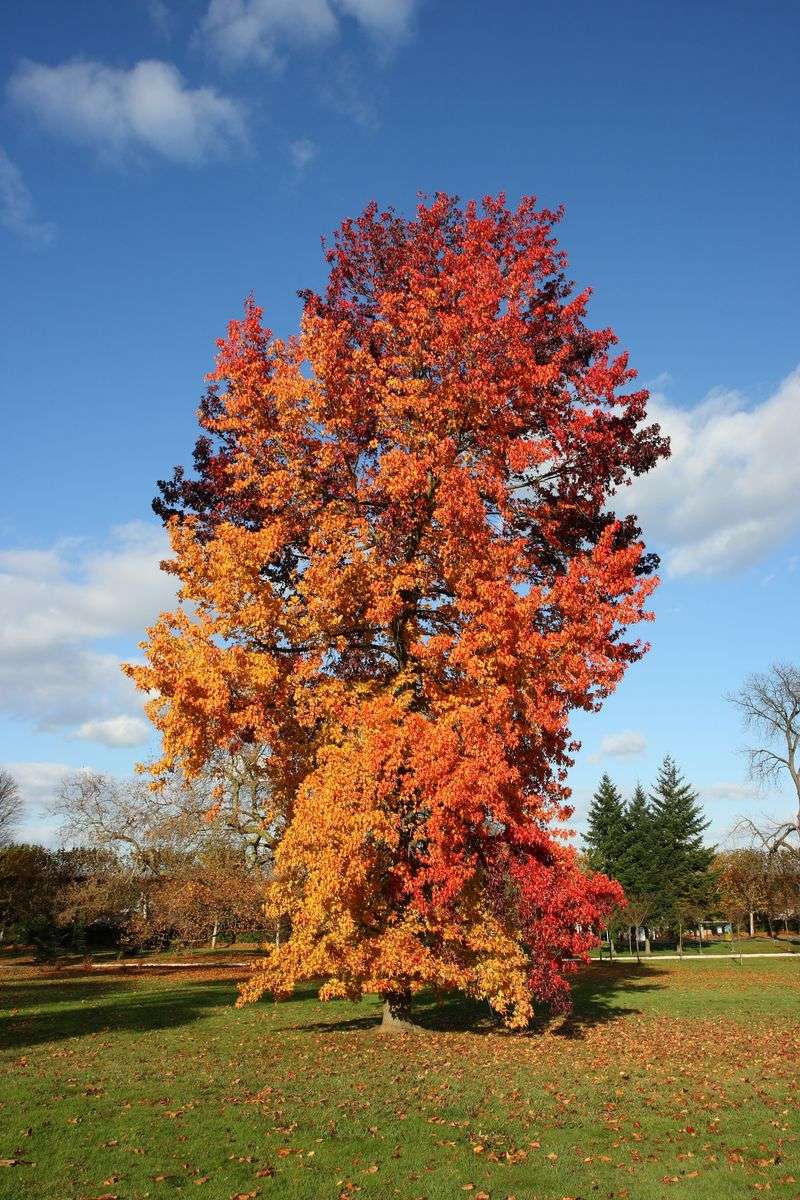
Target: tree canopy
pixel 403 572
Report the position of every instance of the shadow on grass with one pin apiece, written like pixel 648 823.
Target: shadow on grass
pixel 64 1008
pixel 102 1007
pixel 596 993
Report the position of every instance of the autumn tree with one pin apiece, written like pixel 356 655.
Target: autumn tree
pixel 402 573
pixel 160 870
pixel 209 895
pixel 25 891
pixel 744 882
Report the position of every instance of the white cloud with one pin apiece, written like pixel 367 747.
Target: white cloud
pixel 257 30
pixel 343 90
pixel 729 493
pixel 17 212
pixel 383 19
pixel 59 609
pixel 740 793
pixel 148 108
pixel 123 730
pixel 252 30
pixel 626 744
pixel 302 153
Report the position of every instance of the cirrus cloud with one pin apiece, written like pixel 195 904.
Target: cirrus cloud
pixel 17 211
pixel 257 31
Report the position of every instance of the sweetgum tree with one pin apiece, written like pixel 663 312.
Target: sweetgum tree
pixel 403 575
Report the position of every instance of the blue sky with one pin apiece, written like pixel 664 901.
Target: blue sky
pixel 160 160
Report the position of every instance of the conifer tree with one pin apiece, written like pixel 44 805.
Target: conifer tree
pixel 680 861
pixel 605 834
pixel 636 870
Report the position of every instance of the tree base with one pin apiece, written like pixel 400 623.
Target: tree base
pixel 396 1016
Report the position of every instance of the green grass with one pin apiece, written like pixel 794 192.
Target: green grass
pixel 721 946
pixel 666 1081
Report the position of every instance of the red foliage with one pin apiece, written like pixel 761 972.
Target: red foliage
pixel 406 573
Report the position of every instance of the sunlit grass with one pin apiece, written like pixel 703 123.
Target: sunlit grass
pixel 666 1081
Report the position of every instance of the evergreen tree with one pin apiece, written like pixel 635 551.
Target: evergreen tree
pixel 637 871
pixel 681 861
pixel 605 835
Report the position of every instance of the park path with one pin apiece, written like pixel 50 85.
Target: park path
pixel 651 958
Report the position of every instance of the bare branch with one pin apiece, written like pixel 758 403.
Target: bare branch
pixel 770 706
pixel 10 806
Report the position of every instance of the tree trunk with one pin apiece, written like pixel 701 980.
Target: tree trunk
pixel 680 939
pixel 647 948
pixel 630 941
pixel 397 1013
pixel 214 935
pixel 752 925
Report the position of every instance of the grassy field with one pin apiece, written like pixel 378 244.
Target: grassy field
pixel 666 1082
pixel 789 944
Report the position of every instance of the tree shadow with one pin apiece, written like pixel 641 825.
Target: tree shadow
pixel 79 1006
pixel 137 1012
pixel 595 992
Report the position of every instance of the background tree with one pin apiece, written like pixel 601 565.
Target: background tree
pixel 162 869
pixel 32 882
pixel 210 895
pixel 743 882
pixel 605 834
pixel 635 865
pixel 681 862
pixel 22 872
pixel 100 897
pixel 637 912
pixel 404 573
pixel 785 877
pixel 10 806
pixel 770 705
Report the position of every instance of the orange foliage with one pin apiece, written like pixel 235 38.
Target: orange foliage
pixel 402 577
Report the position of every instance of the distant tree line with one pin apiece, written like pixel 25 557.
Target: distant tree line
pixel 140 870
pixel 145 873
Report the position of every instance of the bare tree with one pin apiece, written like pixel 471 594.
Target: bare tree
pixel 10 806
pixel 237 789
pixel 124 815
pixel 770 705
pixel 188 864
